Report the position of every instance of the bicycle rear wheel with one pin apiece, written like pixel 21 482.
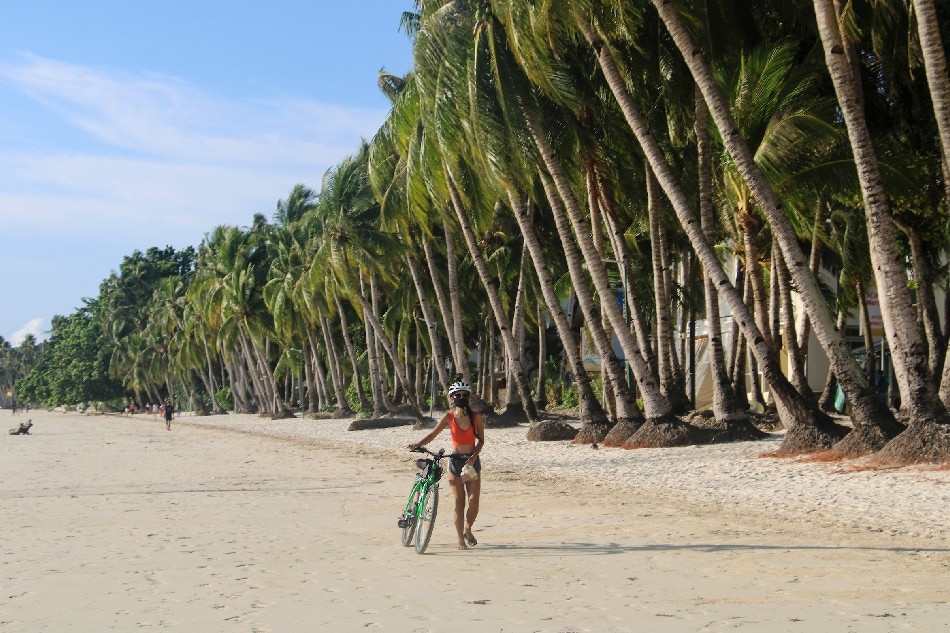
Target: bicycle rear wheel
pixel 412 511
pixel 426 518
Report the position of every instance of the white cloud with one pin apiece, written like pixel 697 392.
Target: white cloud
pixel 34 327
pixel 89 194
pixel 99 159
pixel 165 117
pixel 161 155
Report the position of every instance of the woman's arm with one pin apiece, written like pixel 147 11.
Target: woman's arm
pixel 479 437
pixel 434 434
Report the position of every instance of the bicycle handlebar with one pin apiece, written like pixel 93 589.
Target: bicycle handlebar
pixel 439 455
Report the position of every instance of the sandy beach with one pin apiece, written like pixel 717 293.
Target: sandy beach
pixel 236 523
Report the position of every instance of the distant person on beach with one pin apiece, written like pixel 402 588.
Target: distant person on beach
pixel 468 437
pixel 169 410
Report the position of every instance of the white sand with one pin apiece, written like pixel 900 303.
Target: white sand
pixel 114 524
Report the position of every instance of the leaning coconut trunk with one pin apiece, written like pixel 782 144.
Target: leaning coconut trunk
pixel 593 418
pixel 792 407
pixel 839 354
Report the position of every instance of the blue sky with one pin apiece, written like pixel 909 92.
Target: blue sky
pixel 125 125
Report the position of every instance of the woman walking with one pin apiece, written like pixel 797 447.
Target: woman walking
pixel 468 436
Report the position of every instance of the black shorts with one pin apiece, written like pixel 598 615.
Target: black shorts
pixel 457 462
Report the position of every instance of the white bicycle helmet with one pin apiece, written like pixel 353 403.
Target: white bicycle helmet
pixel 456 387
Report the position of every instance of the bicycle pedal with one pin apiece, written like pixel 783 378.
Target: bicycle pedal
pixel 403 523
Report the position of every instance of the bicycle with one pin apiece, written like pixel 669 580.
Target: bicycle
pixel 418 518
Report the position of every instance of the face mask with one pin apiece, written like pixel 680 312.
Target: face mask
pixel 461 402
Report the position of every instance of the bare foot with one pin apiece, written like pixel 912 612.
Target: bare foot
pixel 470 539
pixel 462 545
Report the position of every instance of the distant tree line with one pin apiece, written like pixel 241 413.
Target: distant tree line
pixel 584 148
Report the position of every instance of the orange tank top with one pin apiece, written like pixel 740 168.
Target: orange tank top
pixel 461 437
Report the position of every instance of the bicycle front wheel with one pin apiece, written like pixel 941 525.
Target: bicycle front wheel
pixel 409 517
pixel 426 518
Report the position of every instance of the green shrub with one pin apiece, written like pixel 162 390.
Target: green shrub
pixel 569 396
pixel 224 398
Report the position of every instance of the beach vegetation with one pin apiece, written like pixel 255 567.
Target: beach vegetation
pixel 73 366
pixel 224 399
pixel 687 205
pixel 16 362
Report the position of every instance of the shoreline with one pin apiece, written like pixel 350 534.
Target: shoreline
pixel 242 524
pixel 911 501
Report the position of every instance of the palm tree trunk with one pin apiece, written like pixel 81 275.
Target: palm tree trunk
pixel 445 308
pixel 926 301
pixel 336 371
pixel 351 352
pixel 494 301
pixel 310 404
pixel 375 379
pixel 724 404
pixel 518 325
pixel 421 362
pixel 876 422
pixel 215 407
pixel 742 369
pixel 796 367
pixel 814 262
pixel 275 404
pixel 393 354
pixel 488 363
pixel 624 259
pixel 381 352
pixel 541 397
pixel 428 315
pixel 870 365
pixel 609 399
pixel 254 372
pixel 629 418
pixel 736 332
pixel 775 296
pixel 816 428
pixel 458 349
pixel 748 225
pixel 672 389
pixel 935 63
pixel 656 406
pixel 908 349
pixel 590 411
pixel 239 387
pixel 320 379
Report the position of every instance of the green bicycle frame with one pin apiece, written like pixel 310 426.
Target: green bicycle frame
pixel 418 517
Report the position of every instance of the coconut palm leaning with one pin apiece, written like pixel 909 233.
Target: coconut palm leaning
pixel 919 398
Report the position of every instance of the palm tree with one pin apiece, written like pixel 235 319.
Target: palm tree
pixel 935 63
pixel 725 407
pixel 908 349
pixel 592 415
pixel 815 427
pixel 352 247
pixel 873 422
pixel 904 336
pixel 520 107
pixel 441 55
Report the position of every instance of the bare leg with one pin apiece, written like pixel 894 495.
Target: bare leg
pixel 474 489
pixel 458 491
